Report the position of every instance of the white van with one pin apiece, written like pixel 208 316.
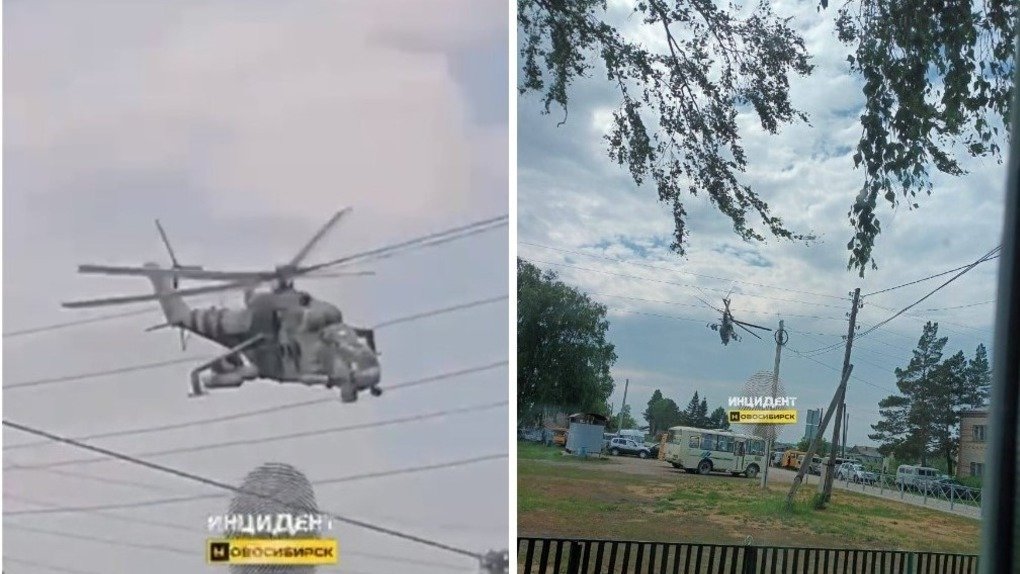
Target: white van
pixel 633 434
pixel 913 477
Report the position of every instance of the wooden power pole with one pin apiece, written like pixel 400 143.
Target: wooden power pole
pixel 834 449
pixel 837 401
pixel 781 337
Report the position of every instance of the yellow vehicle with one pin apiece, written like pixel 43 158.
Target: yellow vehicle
pixel 792 459
pixel 704 451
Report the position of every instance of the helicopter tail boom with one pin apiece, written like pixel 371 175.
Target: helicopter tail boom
pixel 174 308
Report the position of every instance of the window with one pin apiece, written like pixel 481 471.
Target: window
pixel 979 433
pixel 977 469
pixel 757 447
pixel 739 449
pixel 695 441
pixel 725 444
pixel 708 442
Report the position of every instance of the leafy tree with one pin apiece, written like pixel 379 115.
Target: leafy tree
pixel 824 446
pixel 661 414
pixel 935 76
pixel 718 419
pixel 563 357
pixel 622 420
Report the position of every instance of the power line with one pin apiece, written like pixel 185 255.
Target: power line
pixel 429 240
pixel 8 558
pixel 274 438
pixel 191 530
pixel 442 311
pixel 224 486
pixel 110 541
pixel 321 482
pixel 988 257
pixel 691 273
pixel 99 319
pixel 682 284
pixel 982 259
pixel 263 411
pixel 171 362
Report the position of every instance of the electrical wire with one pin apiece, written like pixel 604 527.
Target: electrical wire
pixel 198 358
pixel 691 273
pixel 262 411
pixel 663 281
pixel 274 438
pixel 191 530
pixel 988 257
pixel 36 564
pixel 967 268
pixel 224 486
pixel 109 541
pixel 321 482
pixel 429 240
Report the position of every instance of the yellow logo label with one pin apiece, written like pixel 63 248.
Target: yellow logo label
pixel 764 417
pixel 272 551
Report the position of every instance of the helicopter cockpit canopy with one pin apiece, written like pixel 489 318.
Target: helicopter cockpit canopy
pixel 320 314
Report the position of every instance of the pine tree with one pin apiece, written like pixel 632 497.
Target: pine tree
pixel 910 419
pixel 979 378
pixel 702 416
pixel 650 412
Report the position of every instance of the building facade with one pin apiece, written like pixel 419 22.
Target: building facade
pixel 812 421
pixel 970 460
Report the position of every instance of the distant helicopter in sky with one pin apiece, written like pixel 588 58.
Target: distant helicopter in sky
pixel 282 334
pixel 726 326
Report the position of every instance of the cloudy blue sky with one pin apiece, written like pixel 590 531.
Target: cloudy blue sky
pixel 243 126
pixel 583 217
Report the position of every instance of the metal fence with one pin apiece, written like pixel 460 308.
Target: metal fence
pixel 575 556
pixel 942 495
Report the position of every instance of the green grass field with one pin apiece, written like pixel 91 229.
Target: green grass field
pixel 558 496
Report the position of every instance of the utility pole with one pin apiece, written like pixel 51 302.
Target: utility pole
pixel 781 337
pixel 834 451
pixel 817 438
pixel 619 424
pixel 846 426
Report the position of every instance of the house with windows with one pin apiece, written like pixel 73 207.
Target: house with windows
pixel 970 459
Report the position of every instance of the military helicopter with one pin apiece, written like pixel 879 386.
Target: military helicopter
pixel 282 334
pixel 726 326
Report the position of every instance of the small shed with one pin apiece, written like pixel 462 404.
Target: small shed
pixel 585 436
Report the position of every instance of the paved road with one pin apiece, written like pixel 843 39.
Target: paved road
pixel 652 467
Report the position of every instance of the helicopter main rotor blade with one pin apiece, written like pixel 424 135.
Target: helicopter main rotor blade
pixel 710 306
pixel 184 272
pixel 166 242
pixel 156 296
pixel 751 325
pixel 317 237
pixel 741 325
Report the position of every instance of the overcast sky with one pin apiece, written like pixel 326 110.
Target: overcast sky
pixel 572 197
pixel 243 126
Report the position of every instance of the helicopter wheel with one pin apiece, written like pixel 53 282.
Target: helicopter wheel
pixel 376 391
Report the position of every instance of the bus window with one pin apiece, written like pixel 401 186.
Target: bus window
pixel 671 437
pixel 694 442
pixel 708 442
pixel 739 449
pixel 756 447
pixel 725 444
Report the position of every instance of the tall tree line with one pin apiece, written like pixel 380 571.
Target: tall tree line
pixel 563 355
pixel 663 413
pixel 923 420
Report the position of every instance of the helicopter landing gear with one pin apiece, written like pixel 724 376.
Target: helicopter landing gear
pixel 376 391
pixel 348 390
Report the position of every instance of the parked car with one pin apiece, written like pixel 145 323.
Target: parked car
pixel 653 449
pixel 913 477
pixel 621 445
pixel 951 488
pixel 854 472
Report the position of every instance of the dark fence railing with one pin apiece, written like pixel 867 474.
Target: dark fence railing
pixel 572 556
